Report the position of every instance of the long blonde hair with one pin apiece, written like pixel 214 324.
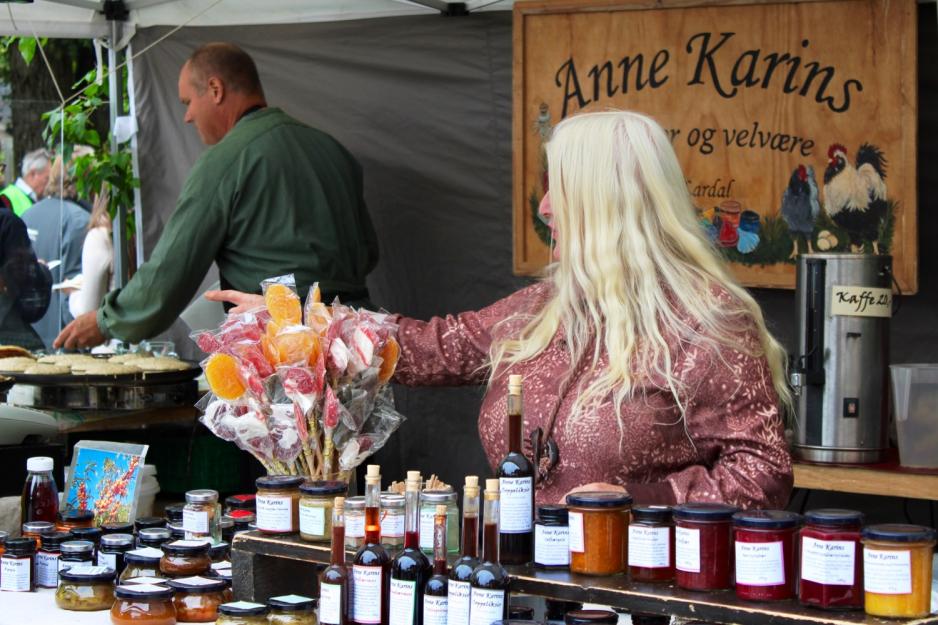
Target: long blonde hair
pixel 635 268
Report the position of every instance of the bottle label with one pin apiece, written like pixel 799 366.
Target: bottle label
pixel 577 543
pixel 828 561
pixel 687 549
pixel 457 605
pixel 486 606
pixel 15 574
pixel 426 527
pixel 551 545
pixel 108 560
pixel 392 525
pixel 195 521
pixel 330 604
pixel 516 515
pixel 366 594
pixel 47 569
pixel 275 514
pixel 434 610
pixel 649 547
pixel 884 572
pixel 403 601
pixel 313 520
pixel 355 526
pixel 760 564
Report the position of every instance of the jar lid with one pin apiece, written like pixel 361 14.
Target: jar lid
pixel 203 495
pixel 652 514
pixel 225 522
pixel 354 503
pixel 243 608
pixel 53 540
pixel 766 519
pixel 292 603
pixel 591 617
pixel 552 512
pixel 218 549
pixel 704 512
pixel 892 532
pixel 143 591
pixel 174 511
pixel 437 496
pixel 186 547
pixel 77 516
pixel 145 555
pixel 87 574
pixel 77 547
pixel 327 487
pixel 520 612
pixel 21 546
pixel 279 482
pixel 242 517
pixel 5 535
pixel 392 500
pixel 154 534
pixel 599 499
pixel 38 527
pixel 117 540
pixel 833 517
pixel 221 572
pixel 148 522
pixel 118 528
pixel 198 585
pixel 177 531
pixel 87 533
pixel 39 463
pixel 241 502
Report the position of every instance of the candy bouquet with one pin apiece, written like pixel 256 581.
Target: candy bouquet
pixel 302 388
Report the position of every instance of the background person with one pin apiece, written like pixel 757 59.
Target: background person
pixel 29 187
pixel 97 261
pixel 25 284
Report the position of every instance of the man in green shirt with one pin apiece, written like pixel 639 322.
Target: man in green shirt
pixel 271 196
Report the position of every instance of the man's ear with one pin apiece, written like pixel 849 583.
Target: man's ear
pixel 216 89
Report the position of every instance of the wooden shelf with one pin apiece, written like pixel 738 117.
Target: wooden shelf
pixel 872 480
pixel 265 565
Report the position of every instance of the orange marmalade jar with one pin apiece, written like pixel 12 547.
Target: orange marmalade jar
pixel 599 526
pixel 897 564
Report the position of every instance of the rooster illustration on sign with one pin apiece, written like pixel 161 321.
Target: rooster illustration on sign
pixel 855 195
pixel 800 207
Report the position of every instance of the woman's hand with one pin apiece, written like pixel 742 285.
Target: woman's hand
pixel 243 301
pixel 592 488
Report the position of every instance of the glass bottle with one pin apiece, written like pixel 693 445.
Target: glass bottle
pixel 458 589
pixel 371 566
pixel 40 499
pixel 410 569
pixel 434 593
pixel 333 582
pixel 489 581
pixel 516 485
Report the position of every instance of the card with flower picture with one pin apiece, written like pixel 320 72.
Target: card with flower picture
pixel 105 478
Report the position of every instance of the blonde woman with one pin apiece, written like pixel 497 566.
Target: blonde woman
pixel 646 366
pixel 97 258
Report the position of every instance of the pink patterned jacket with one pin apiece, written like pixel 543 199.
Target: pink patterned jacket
pixel 733 449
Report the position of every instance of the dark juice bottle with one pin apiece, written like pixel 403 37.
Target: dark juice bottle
pixel 489 595
pixel 458 590
pixel 333 582
pixel 372 566
pixel 516 484
pixel 435 592
pixel 40 500
pixel 410 569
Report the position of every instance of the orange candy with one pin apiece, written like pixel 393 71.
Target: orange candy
pixel 221 372
pixel 389 355
pixel 283 305
pixel 295 345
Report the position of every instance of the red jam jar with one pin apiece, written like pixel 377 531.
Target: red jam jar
pixel 651 544
pixel 703 539
pixel 831 562
pixel 765 552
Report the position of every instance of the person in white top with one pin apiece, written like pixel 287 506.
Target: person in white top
pixel 97 257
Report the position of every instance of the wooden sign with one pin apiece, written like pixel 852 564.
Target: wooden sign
pixel 795 123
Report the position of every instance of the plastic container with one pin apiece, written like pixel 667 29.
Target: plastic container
pixel 278 504
pixel 703 546
pixel 143 604
pixel 197 599
pixel 651 544
pixel 85 589
pixel 316 502
pixel 765 553
pixel 831 560
pixel 40 498
pixel 897 570
pixel 915 400
pixel 551 540
pixel 599 527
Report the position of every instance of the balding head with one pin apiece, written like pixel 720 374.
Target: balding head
pixel 227 62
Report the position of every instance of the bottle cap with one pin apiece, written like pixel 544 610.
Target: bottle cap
pixel 374 470
pixel 204 495
pixel 441 511
pixel 472 480
pixel 491 485
pixel 514 383
pixel 39 463
pixel 414 475
pixel 339 503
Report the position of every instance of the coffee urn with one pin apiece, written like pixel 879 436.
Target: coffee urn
pixel 839 374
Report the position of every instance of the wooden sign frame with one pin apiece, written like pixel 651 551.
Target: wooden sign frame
pixel 742 188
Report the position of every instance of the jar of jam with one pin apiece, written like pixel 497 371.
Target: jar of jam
pixel 429 500
pixel 76 553
pixel 354 522
pixel 897 570
pixel 831 562
pixel 278 504
pixel 118 528
pixel 765 554
pixel 243 521
pixel 185 558
pixel 599 525
pixel 292 610
pixel 70 519
pixel 703 553
pixel 91 534
pixel 85 589
pixel 316 502
pixel 3 540
pixel 143 562
pixel 240 502
pixel 47 559
pixel 35 530
pixel 242 613
pixel 226 527
pixel 198 598
pixel 147 522
pixel 112 549
pixel 174 512
pixel 651 544
pixel 154 537
pixel 17 565
pixel 392 522
pixel 219 552
pixel 551 539
pixel 590 617
pixel 143 604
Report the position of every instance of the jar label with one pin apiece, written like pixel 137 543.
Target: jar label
pixel 434 610
pixel 887 572
pixel 760 564
pixel 457 607
pixel 687 549
pixel 330 604
pixel 355 526
pixel 313 520
pixel 649 547
pixel 392 525
pixel 516 515
pixel 577 544
pixel 486 606
pixel 15 574
pixel 366 594
pixel 402 602
pixel 274 513
pixel 108 559
pixel 426 527
pixel 47 569
pixel 195 521
pixel 828 561
pixel 551 545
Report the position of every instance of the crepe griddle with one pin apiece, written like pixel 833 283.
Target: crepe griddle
pixel 142 378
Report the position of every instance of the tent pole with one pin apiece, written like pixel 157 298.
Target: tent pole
pixel 120 219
